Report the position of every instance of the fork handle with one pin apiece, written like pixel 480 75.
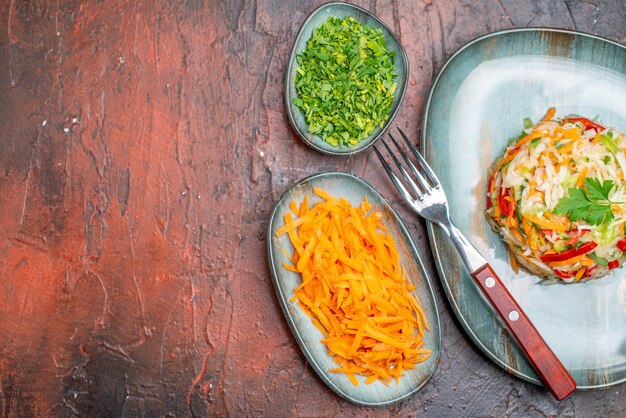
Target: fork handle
pixel 544 361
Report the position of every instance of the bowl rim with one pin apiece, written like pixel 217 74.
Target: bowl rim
pixel 395 106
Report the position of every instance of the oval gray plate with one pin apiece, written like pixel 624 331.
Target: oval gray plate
pixel 316 18
pixel 305 333
pixel 478 101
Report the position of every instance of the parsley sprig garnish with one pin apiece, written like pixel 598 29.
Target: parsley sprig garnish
pixel 590 203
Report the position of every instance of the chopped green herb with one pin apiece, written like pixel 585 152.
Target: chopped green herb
pixel 600 260
pixel 534 142
pixel 528 123
pixel 345 81
pixel 589 203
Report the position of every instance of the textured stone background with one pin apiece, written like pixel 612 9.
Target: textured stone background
pixel 142 147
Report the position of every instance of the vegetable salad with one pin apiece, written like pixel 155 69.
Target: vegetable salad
pixel 558 198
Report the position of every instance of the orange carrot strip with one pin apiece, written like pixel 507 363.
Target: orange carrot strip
pixel 513 261
pixel 550 114
pixel 529 137
pixel 581 177
pixel 572 260
pixel 289 267
pixel 353 379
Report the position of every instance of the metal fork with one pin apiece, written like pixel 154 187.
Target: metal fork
pixel 423 192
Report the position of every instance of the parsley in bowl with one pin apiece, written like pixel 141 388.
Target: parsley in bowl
pixel 346 79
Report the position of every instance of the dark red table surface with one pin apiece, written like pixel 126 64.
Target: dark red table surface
pixel 143 146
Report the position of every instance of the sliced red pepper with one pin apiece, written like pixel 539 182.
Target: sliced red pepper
pixel 588 124
pixel 621 244
pixel 571 253
pixel 563 274
pixel 506 206
pixel 613 264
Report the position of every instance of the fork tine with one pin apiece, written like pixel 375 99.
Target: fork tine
pixel 422 181
pixel 427 170
pixel 396 181
pixel 405 174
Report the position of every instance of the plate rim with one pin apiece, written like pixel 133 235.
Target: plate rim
pixel 285 309
pixel 292 60
pixel 431 228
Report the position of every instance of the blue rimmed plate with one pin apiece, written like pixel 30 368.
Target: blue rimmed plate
pixel 478 101
pixel 307 335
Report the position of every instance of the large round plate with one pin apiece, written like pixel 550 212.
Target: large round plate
pixel 478 101
pixel 307 335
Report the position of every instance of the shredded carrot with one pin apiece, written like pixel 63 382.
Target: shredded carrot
pixel 581 258
pixel 553 224
pixel 595 139
pixel 550 114
pixel 566 148
pixel 513 260
pixel 529 137
pixel 572 133
pixel 587 262
pixel 580 273
pixel 581 177
pixel 354 288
